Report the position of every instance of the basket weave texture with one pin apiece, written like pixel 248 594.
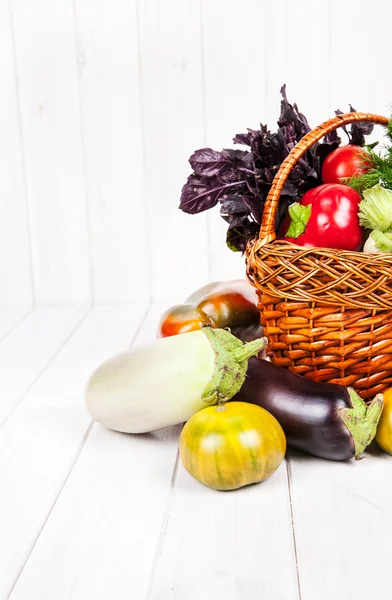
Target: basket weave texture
pixel 327 313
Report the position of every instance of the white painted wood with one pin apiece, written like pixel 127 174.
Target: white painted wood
pixel 26 351
pixel 343 526
pixel 40 441
pixel 50 116
pixel 187 73
pixel 173 122
pixel 233 545
pixel 107 55
pixel 10 317
pixel 103 533
pixel 234 98
pixel 364 82
pixel 15 272
pixel 234 87
pixel 297 52
pixel 242 83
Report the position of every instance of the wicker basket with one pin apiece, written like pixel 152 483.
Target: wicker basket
pixel 327 313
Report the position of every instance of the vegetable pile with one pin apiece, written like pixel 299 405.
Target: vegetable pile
pixel 208 367
pixel 239 180
pixel 241 410
pixel 335 197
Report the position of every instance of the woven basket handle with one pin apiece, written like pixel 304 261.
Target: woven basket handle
pixel 267 230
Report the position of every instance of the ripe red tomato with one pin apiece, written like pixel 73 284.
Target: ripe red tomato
pixel 346 161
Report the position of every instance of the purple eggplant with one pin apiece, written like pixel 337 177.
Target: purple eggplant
pixel 323 419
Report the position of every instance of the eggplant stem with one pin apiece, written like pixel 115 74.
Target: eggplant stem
pixel 250 349
pixel 361 420
pixel 231 364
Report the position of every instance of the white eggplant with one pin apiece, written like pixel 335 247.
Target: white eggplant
pixel 168 380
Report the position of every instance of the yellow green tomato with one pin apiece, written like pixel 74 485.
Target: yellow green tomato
pixel 384 429
pixel 229 446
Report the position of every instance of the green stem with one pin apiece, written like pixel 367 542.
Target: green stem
pixel 231 364
pixel 361 420
pixel 250 349
pixel 300 216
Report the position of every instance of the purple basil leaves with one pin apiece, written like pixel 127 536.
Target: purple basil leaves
pixel 208 163
pixel 240 179
pixel 358 130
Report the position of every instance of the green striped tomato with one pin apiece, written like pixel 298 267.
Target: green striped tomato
pixel 229 446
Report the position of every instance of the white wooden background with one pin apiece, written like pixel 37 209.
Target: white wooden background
pixel 101 104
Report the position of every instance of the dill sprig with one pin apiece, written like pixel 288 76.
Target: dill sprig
pixel 380 169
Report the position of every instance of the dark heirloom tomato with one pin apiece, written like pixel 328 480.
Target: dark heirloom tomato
pixel 181 319
pixel 231 304
pixel 346 161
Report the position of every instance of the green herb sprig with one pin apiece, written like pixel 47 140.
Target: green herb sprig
pixel 380 169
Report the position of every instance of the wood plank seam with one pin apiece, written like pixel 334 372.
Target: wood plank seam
pixel 329 26
pixel 148 247
pixel 289 476
pixel 205 137
pixel 162 536
pixel 84 440
pixel 42 371
pixel 16 325
pixel 23 157
pixel 86 194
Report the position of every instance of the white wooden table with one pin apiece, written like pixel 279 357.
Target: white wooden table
pixel 90 514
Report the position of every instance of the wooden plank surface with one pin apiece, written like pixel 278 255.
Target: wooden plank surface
pixel 342 526
pixel 173 125
pixel 41 440
pixel 232 545
pixel 26 351
pixel 10 317
pixel 15 264
pixel 102 536
pixel 50 119
pixel 108 67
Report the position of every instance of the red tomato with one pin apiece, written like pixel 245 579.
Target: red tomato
pixel 346 161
